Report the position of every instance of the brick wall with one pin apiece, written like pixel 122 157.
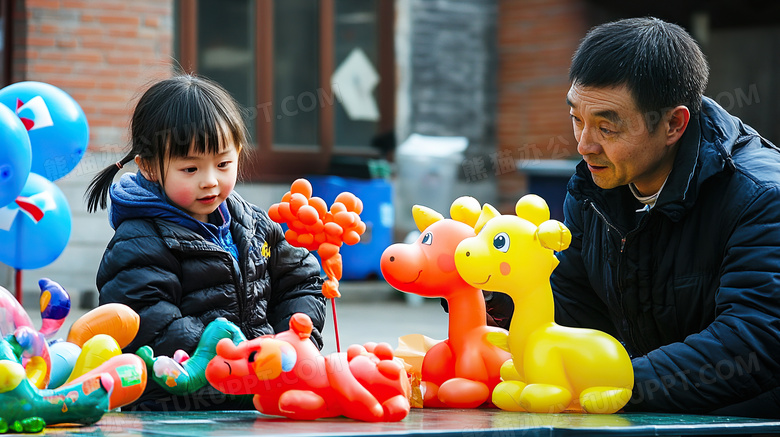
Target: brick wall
pixel 100 52
pixel 536 39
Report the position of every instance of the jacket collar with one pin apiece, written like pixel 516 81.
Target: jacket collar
pixel 133 196
pixel 705 151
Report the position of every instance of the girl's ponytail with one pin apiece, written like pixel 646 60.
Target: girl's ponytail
pixel 97 191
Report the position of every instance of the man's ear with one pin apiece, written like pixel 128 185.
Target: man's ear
pixel 146 168
pixel 678 119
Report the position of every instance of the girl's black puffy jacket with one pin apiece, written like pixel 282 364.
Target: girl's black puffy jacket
pixel 692 286
pixel 178 282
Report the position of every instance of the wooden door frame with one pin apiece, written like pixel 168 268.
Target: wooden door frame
pixel 266 162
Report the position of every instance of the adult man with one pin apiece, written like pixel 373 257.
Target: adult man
pixel 675 218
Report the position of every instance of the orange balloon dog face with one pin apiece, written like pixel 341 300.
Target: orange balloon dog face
pixel 427 266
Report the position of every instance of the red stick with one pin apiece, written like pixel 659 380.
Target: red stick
pixel 18 254
pixel 335 324
pixel 19 285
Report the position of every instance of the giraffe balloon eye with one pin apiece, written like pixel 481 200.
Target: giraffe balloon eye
pixel 501 242
pixel 427 239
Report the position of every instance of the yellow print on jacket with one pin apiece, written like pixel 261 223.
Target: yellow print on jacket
pixel 265 251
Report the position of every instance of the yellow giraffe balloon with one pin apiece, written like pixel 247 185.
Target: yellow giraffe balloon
pixel 553 368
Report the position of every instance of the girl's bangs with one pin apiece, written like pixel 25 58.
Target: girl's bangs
pixel 202 132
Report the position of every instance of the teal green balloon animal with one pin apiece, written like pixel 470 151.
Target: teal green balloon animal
pixel 183 374
pixel 25 408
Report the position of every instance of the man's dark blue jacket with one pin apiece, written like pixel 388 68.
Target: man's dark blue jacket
pixel 692 286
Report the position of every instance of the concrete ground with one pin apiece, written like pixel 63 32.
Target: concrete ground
pixel 361 322
pixel 368 311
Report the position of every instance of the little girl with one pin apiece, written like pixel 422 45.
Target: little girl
pixel 187 249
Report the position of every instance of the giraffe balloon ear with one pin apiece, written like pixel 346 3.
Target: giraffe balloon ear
pixel 466 210
pixel 532 208
pixel 488 212
pixel 553 235
pixel 424 216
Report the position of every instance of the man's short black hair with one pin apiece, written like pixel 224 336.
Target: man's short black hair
pixel 661 65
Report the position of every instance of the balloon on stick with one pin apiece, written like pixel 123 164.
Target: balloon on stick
pixel 15 155
pixel 314 226
pixel 58 135
pixel 35 228
pixel 56 125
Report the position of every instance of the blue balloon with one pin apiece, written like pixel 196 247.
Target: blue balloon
pixel 15 155
pixel 56 125
pixel 35 228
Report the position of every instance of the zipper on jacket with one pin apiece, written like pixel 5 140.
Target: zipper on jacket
pixel 610 225
pixel 623 238
pixel 237 282
pixel 241 288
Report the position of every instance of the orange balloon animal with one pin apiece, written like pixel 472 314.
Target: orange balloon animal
pixel 291 378
pixel 462 371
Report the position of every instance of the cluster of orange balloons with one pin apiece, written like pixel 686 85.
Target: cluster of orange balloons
pixel 313 226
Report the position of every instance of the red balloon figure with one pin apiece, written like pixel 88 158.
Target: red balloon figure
pixel 313 226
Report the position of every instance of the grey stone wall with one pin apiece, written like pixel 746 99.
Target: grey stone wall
pixel 446 62
pixel 452 69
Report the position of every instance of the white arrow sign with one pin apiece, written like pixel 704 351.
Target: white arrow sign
pixel 354 82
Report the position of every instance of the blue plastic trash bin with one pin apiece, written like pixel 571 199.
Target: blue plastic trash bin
pixel 361 261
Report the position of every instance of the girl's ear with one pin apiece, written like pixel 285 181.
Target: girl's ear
pixel 146 169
